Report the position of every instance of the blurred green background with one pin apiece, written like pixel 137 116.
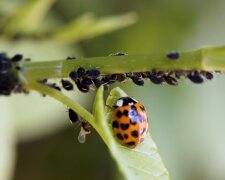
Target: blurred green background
pixel 187 122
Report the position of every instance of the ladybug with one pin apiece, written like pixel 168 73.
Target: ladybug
pixel 129 121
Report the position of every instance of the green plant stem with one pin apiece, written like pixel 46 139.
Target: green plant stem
pixel 63 99
pixel 210 59
pixel 73 105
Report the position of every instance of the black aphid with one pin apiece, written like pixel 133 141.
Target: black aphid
pixel 106 87
pixel 93 73
pixel 120 77
pixel 67 85
pixel 178 74
pixel 208 75
pixel 86 126
pixel 86 81
pixel 109 79
pixel 173 55
pixel 156 79
pixel 54 85
pixel 195 77
pixel 4 65
pixel 73 75
pixel 17 58
pixel 170 80
pixel 9 82
pixel 71 58
pixel 137 80
pixel 82 87
pixel 98 82
pixel 73 116
pixel 81 72
pixel 119 54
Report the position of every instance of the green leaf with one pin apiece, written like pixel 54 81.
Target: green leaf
pixel 28 18
pixel 143 162
pixel 88 26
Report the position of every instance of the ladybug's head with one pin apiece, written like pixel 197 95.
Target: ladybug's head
pixel 125 101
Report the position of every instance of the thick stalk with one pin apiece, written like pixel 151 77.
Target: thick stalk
pixel 209 59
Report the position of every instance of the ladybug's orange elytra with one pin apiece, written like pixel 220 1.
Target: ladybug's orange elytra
pixel 129 122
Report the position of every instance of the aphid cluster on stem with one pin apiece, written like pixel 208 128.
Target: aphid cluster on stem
pixel 86 79
pixel 92 78
pixel 9 69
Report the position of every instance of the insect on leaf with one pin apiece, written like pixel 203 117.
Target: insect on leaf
pixel 142 162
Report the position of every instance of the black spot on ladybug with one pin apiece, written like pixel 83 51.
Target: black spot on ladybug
pixel 134 133
pixel 131 143
pixel 124 126
pixel 125 113
pixel 119 114
pixel 173 55
pixel 125 136
pixel 73 116
pixel 67 85
pixel 119 136
pixel 115 124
